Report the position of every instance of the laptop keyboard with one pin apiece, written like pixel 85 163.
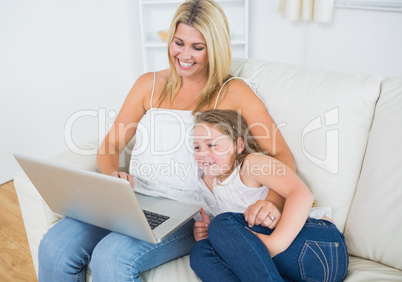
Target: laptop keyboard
pixel 155 219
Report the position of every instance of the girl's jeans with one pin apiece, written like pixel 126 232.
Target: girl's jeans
pixel 70 245
pixel 233 253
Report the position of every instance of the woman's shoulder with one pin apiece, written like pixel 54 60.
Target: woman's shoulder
pixel 239 91
pixel 236 82
pixel 148 83
pixel 149 77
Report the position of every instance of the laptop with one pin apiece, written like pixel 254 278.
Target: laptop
pixel 105 201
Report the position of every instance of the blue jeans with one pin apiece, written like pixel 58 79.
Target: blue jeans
pixel 70 245
pixel 233 253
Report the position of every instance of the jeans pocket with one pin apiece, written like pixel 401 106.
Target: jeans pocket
pixel 318 261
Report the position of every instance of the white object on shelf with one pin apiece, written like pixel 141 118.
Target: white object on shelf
pixel 156 16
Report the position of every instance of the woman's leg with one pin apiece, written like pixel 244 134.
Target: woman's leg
pixel 241 253
pixel 66 248
pixel 122 258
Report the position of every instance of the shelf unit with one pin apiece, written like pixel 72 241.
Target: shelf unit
pixel 156 15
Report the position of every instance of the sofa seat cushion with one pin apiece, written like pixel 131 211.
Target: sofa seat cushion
pixel 366 270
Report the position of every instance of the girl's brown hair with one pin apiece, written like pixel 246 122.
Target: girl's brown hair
pixel 231 123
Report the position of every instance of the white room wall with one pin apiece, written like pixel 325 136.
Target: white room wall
pixel 64 58
pixel 362 41
pixel 57 59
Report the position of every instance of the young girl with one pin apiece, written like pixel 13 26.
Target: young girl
pixel 236 173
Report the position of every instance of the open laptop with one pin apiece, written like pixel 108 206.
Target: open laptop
pixel 105 201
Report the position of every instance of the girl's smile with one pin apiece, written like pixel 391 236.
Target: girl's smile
pixel 214 152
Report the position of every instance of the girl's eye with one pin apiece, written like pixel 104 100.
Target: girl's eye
pixel 198 48
pixel 196 148
pixel 211 145
pixel 178 43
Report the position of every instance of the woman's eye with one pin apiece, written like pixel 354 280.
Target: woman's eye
pixel 196 148
pixel 212 145
pixel 178 43
pixel 198 48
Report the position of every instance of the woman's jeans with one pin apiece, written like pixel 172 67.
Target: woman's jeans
pixel 70 245
pixel 234 253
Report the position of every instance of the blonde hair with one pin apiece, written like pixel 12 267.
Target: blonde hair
pixel 210 20
pixel 232 124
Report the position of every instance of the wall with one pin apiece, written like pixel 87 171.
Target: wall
pixel 356 41
pixel 59 59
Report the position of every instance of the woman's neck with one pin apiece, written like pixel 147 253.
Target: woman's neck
pixel 187 96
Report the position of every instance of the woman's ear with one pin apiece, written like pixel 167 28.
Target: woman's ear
pixel 240 145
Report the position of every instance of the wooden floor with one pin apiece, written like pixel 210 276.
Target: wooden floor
pixel 15 256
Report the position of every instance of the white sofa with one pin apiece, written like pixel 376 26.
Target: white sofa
pixel 346 138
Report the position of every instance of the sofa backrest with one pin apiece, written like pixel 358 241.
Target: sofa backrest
pixel 325 118
pixel 374 226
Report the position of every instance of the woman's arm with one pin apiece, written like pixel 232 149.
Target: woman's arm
pixel 268 136
pixel 124 128
pixel 298 198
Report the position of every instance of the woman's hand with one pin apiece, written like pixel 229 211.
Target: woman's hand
pixel 201 227
pixel 262 213
pixel 124 176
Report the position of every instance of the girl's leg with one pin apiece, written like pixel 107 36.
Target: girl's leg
pixel 239 251
pixel 122 258
pixel 66 248
pixel 208 265
pixel 318 253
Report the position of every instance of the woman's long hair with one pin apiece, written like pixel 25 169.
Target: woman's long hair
pixel 208 18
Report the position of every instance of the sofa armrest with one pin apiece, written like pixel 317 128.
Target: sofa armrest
pixel 36 215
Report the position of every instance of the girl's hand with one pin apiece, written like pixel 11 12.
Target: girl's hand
pixel 201 227
pixel 124 176
pixel 262 213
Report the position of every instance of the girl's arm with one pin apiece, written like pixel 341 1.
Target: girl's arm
pixel 283 180
pixel 268 136
pixel 124 128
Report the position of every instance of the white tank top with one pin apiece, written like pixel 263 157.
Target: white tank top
pixel 232 195
pixel 162 161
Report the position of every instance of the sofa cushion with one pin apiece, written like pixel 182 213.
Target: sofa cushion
pixel 325 118
pixel 367 270
pixel 374 228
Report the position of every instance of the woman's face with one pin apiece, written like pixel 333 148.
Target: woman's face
pixel 188 51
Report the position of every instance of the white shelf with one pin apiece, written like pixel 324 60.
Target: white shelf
pixel 156 15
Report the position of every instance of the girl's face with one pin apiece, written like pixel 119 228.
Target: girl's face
pixel 188 51
pixel 214 151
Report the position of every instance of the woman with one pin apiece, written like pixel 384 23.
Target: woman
pixel 159 111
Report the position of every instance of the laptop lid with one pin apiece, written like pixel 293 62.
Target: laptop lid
pixel 103 200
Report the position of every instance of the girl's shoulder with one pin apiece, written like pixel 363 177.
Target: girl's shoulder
pixel 255 163
pixel 257 158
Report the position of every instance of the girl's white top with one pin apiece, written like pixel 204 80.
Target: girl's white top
pixel 232 195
